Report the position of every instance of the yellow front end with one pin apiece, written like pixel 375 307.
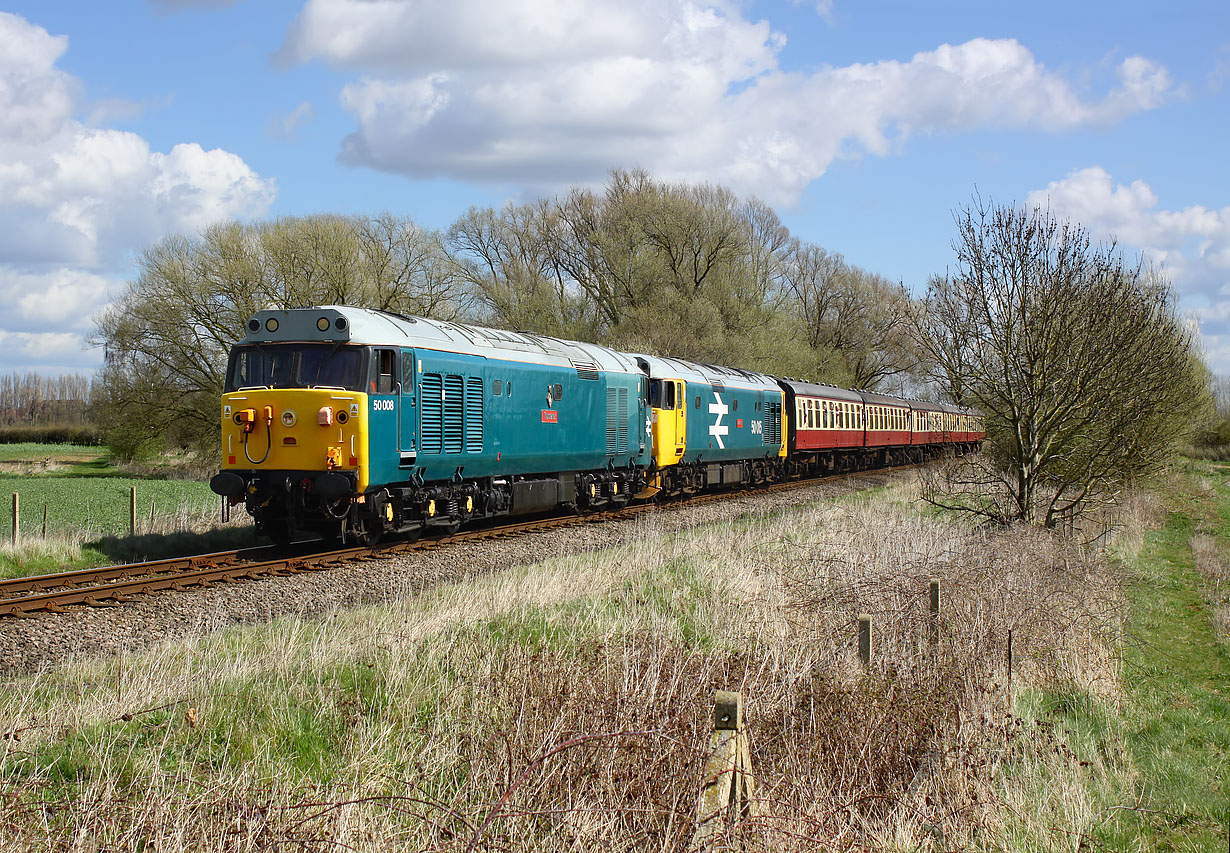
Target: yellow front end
pixel 294 429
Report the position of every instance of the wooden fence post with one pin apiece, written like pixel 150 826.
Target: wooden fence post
pixel 864 639
pixel 16 506
pixel 935 611
pixel 728 783
pixel 132 511
pixel 1010 667
pixel 44 521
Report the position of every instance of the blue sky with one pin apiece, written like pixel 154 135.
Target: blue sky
pixel 864 125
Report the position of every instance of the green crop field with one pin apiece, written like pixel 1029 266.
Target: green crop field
pixel 100 505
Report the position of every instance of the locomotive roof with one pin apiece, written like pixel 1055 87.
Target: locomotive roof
pixel 376 328
pixel 664 367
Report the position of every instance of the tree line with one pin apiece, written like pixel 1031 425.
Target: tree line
pixel 32 398
pixel 685 270
pixel 1080 360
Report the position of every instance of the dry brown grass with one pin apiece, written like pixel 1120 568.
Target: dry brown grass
pixel 1214 568
pixel 566 705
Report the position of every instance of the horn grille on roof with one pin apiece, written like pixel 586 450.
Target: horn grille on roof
pixel 585 369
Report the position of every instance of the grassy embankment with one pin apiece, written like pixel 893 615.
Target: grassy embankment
pixel 1161 742
pixel 566 704
pixel 87 504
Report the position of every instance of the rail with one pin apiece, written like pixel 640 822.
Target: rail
pixel 120 583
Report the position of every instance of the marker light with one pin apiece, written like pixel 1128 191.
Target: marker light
pixel 271 325
pixel 246 418
pixel 323 324
pixel 325 416
pixel 289 418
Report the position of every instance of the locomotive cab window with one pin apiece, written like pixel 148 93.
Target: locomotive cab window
pixel 661 394
pixel 384 367
pixel 497 387
pixel 557 391
pixel 295 366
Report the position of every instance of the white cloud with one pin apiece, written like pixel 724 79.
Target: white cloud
pixel 1191 244
pixel 77 200
pixel 824 8
pixel 54 300
pixel 553 92
pixel 287 126
pixel 46 352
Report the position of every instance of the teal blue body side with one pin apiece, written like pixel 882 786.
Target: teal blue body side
pixel 525 428
pixel 729 424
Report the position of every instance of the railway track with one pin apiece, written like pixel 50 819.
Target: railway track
pixel 109 586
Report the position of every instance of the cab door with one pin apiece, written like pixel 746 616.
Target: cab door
pixel 681 418
pixel 408 411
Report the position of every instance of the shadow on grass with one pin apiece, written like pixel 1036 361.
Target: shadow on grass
pixel 157 546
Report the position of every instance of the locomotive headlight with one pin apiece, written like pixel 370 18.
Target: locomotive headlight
pixel 271 325
pixel 323 324
pixel 289 418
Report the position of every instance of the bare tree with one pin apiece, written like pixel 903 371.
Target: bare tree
pixel 862 318
pixel 1080 362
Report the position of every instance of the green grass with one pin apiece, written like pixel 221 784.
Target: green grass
pixel 57 460
pixel 1177 721
pixel 28 451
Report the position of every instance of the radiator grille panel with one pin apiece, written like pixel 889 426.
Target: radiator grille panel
pixel 474 415
pixel 454 408
pixel 431 410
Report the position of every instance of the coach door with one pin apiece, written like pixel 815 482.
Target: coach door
pixel 408 412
